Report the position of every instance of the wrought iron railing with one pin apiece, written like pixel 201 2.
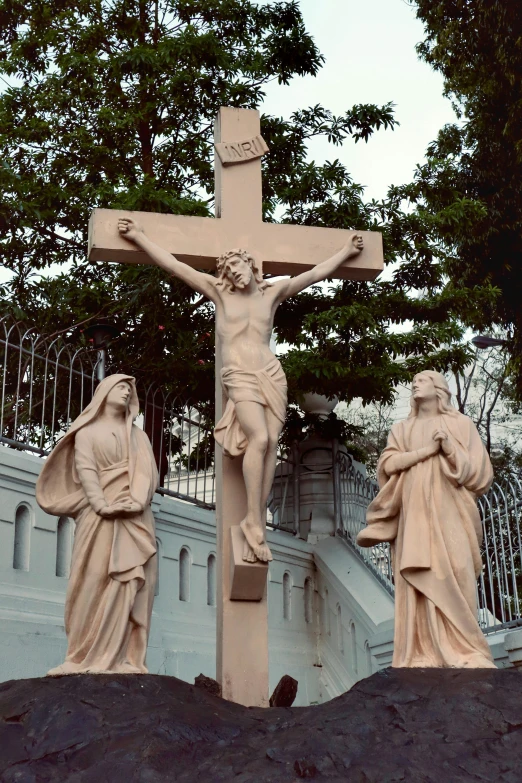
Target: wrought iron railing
pixel 353 493
pixel 500 584
pixel 45 382
pixel 182 439
pixel 283 504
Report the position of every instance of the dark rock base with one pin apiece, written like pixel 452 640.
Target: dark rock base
pixel 418 725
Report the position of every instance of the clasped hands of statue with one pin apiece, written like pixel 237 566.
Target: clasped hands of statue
pixel 441 442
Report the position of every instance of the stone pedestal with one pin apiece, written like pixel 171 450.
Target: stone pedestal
pixel 513 646
pixel 316 490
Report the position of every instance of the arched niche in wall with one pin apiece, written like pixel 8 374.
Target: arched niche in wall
pixel 309 599
pixel 340 633
pixel 159 547
pixel 287 596
pixel 211 580
pixel 184 574
pixel 22 538
pixel 326 613
pixel 368 655
pixel 64 544
pixel 353 644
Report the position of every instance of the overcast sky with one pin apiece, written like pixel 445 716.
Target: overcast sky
pixel 369 46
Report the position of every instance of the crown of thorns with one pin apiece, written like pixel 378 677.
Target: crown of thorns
pixel 222 260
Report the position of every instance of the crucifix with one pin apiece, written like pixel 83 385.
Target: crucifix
pixel 250 383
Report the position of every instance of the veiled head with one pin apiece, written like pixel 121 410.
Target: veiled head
pixel 119 396
pixel 110 387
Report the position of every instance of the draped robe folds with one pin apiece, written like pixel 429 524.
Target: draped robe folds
pixel 266 386
pixel 430 515
pixel 114 566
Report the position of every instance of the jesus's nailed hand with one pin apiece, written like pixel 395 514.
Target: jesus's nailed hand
pixel 354 246
pixel 129 228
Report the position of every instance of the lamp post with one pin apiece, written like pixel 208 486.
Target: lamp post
pixel 101 333
pixel 483 341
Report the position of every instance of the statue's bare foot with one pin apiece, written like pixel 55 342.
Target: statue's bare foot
pixel 253 533
pixel 263 553
pixel 248 553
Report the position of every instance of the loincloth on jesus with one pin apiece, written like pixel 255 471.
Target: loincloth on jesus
pixel 266 386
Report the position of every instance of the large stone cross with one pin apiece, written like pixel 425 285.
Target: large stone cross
pixel 242 625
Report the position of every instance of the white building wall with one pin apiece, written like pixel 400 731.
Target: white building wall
pixel 182 640
pixel 356 637
pixel 358 641
pixel 334 628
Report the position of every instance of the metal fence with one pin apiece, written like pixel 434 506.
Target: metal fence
pixel 500 584
pixel 182 440
pixel 45 383
pixel 353 493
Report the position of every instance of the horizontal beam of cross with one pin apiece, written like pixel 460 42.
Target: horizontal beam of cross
pixel 284 249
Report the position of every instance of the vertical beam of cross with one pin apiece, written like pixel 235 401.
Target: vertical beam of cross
pixel 242 626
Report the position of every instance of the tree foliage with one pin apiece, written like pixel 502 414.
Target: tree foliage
pixel 477 161
pixel 483 390
pixel 111 103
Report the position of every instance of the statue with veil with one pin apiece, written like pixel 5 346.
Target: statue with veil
pixel 102 473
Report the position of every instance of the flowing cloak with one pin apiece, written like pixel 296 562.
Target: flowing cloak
pixel 430 514
pixel 266 386
pixel 113 568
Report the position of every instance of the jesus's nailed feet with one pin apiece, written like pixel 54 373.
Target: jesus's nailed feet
pixel 248 553
pixel 263 553
pixel 255 539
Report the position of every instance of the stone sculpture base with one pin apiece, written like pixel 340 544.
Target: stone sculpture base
pixel 409 725
pixel 247 580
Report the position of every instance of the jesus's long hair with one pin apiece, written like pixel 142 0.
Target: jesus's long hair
pixel 443 395
pixel 255 265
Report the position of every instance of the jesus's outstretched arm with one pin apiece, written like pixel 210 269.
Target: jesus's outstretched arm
pixel 294 285
pixel 204 284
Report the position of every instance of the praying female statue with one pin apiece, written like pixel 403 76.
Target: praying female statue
pixel 102 473
pixel 430 474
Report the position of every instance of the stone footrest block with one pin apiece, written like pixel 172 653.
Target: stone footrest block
pixel 247 580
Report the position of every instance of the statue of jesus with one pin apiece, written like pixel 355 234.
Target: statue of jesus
pixel 251 376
